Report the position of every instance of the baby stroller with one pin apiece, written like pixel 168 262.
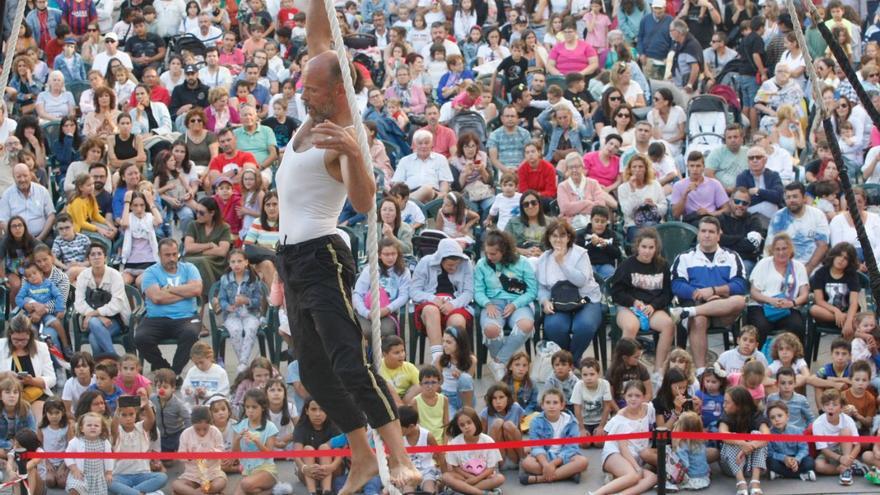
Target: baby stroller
pixel 469 121
pixel 187 42
pixel 707 120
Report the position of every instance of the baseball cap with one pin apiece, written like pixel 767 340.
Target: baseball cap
pixel 658 4
pixel 111 36
pixel 221 180
pixel 190 69
pixel 69 41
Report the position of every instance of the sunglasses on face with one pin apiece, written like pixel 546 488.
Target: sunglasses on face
pixel 614 98
pixel 623 115
pixel 741 202
pixel 530 203
pixel 755 157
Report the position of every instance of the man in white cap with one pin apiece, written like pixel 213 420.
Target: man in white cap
pixel 654 41
pixel 111 51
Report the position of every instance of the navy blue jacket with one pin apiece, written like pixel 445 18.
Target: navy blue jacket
pixel 772 191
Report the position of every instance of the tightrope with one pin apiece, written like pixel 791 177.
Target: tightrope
pixel 290 454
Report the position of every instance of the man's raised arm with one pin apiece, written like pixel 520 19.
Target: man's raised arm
pixel 320 39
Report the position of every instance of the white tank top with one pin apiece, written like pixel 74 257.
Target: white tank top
pixel 310 200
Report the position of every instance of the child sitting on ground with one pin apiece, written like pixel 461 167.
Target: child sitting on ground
pixel 130 379
pixel 592 401
pixel 556 462
pixel 206 378
pixel 787 459
pixel 105 383
pixel 798 412
pixel 859 403
pixel 501 420
pixel 835 457
pixel 733 360
pixel 471 472
pixel 416 436
pixel 172 416
pixel 837 373
pixel 563 377
pixel 692 454
pixel 431 405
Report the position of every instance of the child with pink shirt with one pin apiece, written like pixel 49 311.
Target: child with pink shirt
pixel 597 26
pixel 752 377
pixel 467 98
pixel 130 379
pixel 201 476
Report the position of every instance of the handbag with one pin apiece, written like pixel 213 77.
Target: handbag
pixel 478 191
pixel 646 216
pixel 771 312
pixel 97 297
pixel 542 363
pixel 512 285
pixel 566 297
pixel 675 470
pixel 29 393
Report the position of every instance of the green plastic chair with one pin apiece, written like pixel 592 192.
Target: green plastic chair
pixel 677 237
pixel 126 337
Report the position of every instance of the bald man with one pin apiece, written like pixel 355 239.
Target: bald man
pixel 323 165
pixel 29 200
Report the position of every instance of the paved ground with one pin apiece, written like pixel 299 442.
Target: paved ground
pixel 593 478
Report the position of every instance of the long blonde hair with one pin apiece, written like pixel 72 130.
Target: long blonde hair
pixel 649 168
pixel 688 422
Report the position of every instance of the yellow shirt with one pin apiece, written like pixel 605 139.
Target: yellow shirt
pixel 403 377
pixel 431 417
pixel 83 211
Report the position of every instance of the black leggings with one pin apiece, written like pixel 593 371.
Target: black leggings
pixel 793 323
pixel 318 275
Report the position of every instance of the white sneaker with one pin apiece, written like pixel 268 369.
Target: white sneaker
pixel 773 475
pixel 808 476
pixel 498 369
pixel 157 492
pixel 282 489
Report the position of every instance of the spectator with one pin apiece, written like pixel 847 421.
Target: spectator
pixel 111 51
pixel 697 195
pixel 200 144
pixel 92 150
pixel 474 175
pixel 444 137
pixel 506 144
pixel 129 178
pixel 258 140
pixel 742 231
pixel 687 62
pixel 842 228
pixel 192 93
pixel 578 194
pixel 718 55
pixel 392 227
pixel 262 238
pixel 42 21
pixel 207 242
pixel 726 162
pixel 102 121
pixel 642 200
pixel 213 74
pixel 710 284
pixel 101 301
pixel 778 91
pixel 623 126
pixel 537 174
pixel 622 79
pixel 220 112
pixel 440 35
pixel 572 54
pixel 17 246
pixel 528 228
pixel 20 346
pixel 30 201
pixel 751 49
pixel 158 91
pixel 410 94
pixel 565 269
pixel 654 41
pixel 836 287
pixel 170 290
pixel 454 81
pixel 780 288
pixel 806 225
pixel 604 165
pixel 55 101
pixel 668 120
pixel 425 172
pixel 442 289
pixel 763 184
pixel 69 62
pixel 145 48
pixel 566 135
pixel 229 162
pixel 150 119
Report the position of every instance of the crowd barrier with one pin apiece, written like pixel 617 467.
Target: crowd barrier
pixel 661 437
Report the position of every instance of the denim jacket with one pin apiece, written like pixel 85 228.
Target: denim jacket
pixel 540 429
pixel 577 134
pixel 694 460
pixel 526 396
pixel 75 73
pixel 249 288
pixel 779 450
pixel 9 426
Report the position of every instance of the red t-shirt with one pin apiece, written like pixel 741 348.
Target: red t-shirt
pixel 158 93
pixel 444 139
pixel 229 213
pixel 220 161
pixel 54 47
pixel 542 179
pixel 285 17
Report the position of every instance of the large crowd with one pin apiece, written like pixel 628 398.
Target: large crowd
pixel 551 173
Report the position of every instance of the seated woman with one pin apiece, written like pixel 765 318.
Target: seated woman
pixel 551 464
pixel 55 101
pixel 207 242
pixel 101 122
pixel 125 146
pixel 24 354
pixel 779 287
pixel 621 78
pixel 642 289
pixel 528 227
pixel 442 289
pixel 668 119
pixel 262 237
pixel 100 301
pixel 394 280
pixel 16 247
pixel 567 291
pixel 92 150
pixel 393 227
pixel 578 194
pixel 641 196
pixel 220 112
pixel 472 172
pixel 505 289
pixel 150 119
pixel 623 125
pixel 836 287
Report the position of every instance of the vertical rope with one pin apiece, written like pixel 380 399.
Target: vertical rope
pixel 11 43
pixel 372 228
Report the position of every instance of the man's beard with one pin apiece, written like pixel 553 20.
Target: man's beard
pixel 317 113
pixel 99 186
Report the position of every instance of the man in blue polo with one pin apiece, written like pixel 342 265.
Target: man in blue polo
pixel 170 289
pixel 654 41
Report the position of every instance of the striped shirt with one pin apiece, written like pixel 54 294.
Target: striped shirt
pixel 78 14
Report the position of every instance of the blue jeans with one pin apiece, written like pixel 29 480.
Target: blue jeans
pixel 779 467
pixel 135 484
pixel 465 384
pixel 748 265
pixel 574 331
pixel 50 332
pixel 101 336
pixel 748 88
pixel 604 271
pixel 503 346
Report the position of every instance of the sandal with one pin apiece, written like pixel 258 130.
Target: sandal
pixel 755 487
pixel 742 488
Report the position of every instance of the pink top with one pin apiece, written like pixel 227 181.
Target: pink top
pixel 570 203
pixel 576 60
pixel 190 441
pixel 595 169
pixel 598 37
pixel 233 61
pixel 464 101
pixel 757 393
pixel 444 139
pixel 875 137
pixel 140 381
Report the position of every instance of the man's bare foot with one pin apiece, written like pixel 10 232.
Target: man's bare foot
pixel 403 473
pixel 363 469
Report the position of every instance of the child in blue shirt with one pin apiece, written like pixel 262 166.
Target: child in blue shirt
pixel 35 297
pixel 798 408
pixel 713 381
pixel 787 459
pixel 692 453
pixel 105 383
pixel 835 372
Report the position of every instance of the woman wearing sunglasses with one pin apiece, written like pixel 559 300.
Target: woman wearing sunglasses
pixel 611 99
